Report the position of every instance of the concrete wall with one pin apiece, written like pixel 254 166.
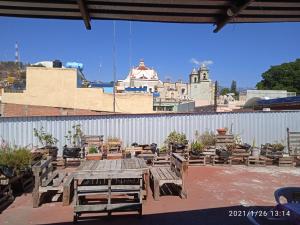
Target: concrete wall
pixel 186 107
pixel 57 87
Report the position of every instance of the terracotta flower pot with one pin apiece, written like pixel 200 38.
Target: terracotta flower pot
pixel 222 131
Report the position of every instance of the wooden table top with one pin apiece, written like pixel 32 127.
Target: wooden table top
pixel 113 165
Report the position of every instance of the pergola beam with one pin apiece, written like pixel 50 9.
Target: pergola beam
pixel 234 10
pixel 84 13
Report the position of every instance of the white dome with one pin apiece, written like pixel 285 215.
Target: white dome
pixel 142 72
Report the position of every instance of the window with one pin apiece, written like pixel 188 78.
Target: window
pixel 182 91
pixel 204 76
pixel 195 79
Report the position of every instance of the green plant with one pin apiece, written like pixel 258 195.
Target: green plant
pixel 253 143
pixel 93 150
pixel 15 157
pixel 178 138
pixel 44 138
pixel 74 137
pixel 278 147
pixel 197 146
pixel 163 149
pixel 207 139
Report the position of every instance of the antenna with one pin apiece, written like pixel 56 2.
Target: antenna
pixel 130 45
pixel 17 57
pixel 114 65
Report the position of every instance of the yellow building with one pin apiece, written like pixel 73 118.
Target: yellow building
pixel 61 87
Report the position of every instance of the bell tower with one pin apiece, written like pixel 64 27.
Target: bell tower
pixel 194 77
pixel 204 73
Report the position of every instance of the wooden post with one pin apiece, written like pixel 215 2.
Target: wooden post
pixel 35 192
pixel 156 189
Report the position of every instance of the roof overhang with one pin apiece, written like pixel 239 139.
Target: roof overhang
pixel 217 12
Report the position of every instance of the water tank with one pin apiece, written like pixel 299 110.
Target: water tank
pixel 74 65
pixel 57 64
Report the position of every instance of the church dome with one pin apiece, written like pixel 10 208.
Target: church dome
pixel 142 72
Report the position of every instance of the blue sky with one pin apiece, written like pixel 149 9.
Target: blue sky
pixel 240 52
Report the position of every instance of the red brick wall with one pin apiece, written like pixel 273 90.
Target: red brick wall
pixel 14 110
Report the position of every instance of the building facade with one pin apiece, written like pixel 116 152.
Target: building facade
pixel 61 87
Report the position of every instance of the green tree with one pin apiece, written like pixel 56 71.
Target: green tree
pixel 281 77
pixel 233 87
pixel 225 91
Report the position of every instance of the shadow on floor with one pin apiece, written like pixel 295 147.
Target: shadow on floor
pixel 214 216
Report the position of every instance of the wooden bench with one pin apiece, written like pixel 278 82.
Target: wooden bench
pixel 46 179
pixel 293 140
pixel 174 174
pixel 113 191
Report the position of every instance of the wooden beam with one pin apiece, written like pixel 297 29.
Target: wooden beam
pixel 232 12
pixel 84 13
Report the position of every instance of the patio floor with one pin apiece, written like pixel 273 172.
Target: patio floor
pixel 213 193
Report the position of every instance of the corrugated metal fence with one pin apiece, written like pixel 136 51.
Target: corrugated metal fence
pixel 263 126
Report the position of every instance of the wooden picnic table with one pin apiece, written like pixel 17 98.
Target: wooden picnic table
pixel 110 179
pixel 117 165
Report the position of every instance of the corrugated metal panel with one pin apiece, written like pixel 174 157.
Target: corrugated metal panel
pixel 261 126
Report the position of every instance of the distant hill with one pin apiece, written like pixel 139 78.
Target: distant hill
pixel 12 74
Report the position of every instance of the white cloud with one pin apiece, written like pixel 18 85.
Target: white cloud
pixel 207 62
pixel 204 62
pixel 194 61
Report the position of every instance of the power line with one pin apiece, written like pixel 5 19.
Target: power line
pixel 114 66
pixel 130 45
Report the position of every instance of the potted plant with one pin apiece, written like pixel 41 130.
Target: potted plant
pixel 163 151
pixel 176 142
pixel 47 141
pixel 222 131
pixel 255 151
pixel 208 139
pixel 93 154
pixel 196 149
pixel 114 144
pixel 14 161
pixel 278 147
pixel 74 147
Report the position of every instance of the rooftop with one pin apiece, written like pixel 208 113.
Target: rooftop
pixel 212 193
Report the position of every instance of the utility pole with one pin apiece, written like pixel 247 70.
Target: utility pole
pixel 215 99
pixel 114 66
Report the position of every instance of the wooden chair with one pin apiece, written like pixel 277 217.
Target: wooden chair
pixel 174 174
pixel 293 141
pixel 47 179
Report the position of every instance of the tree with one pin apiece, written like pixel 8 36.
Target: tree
pixel 233 87
pixel 282 77
pixel 225 91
